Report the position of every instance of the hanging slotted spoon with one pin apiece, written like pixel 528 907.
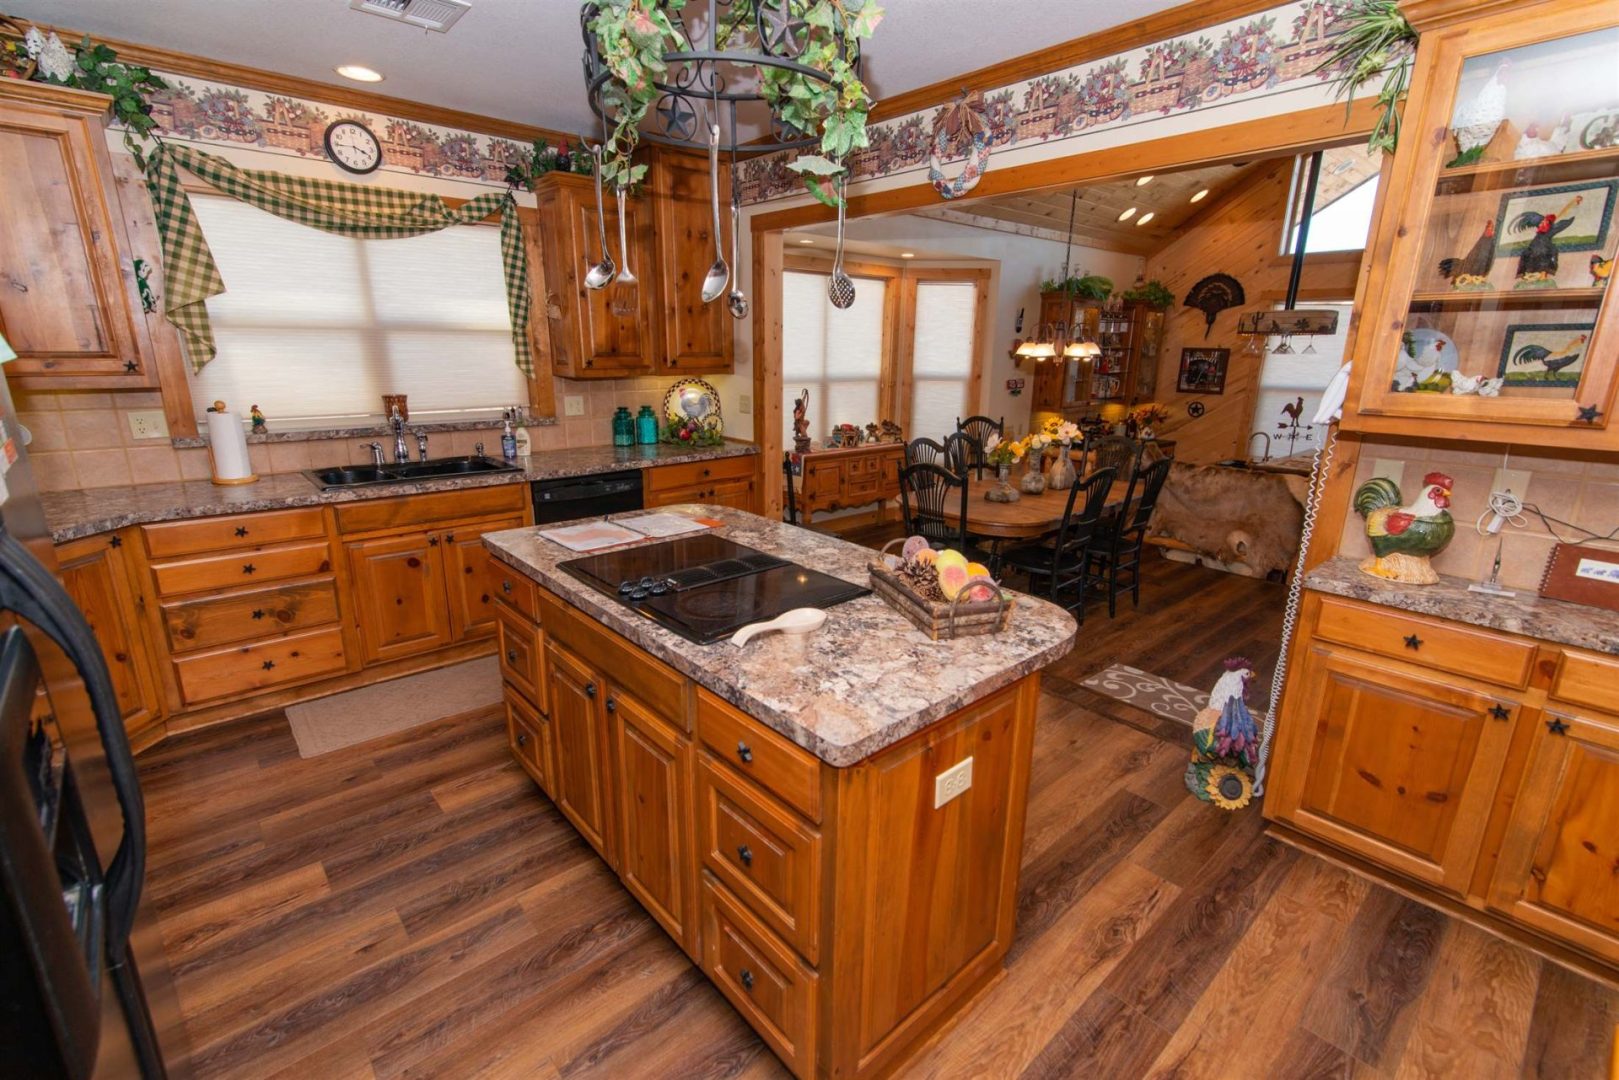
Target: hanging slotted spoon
pixel 840 288
pixel 719 274
pixel 601 273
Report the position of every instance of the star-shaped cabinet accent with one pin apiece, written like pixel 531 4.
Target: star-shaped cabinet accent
pixel 1557 726
pixel 1588 414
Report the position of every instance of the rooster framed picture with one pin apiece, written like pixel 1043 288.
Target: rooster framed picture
pixel 1544 354
pixel 1537 226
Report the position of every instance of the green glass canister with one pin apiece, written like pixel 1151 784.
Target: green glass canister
pixel 623 427
pixel 646 426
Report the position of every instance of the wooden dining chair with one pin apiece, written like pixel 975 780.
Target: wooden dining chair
pixel 963 452
pixel 1113 555
pixel 1058 565
pixel 925 492
pixel 790 513
pixel 925 451
pixel 1114 452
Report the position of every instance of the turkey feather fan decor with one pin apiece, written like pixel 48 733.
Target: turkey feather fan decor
pixel 1213 295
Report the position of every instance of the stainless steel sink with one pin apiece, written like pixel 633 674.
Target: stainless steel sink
pixel 406 472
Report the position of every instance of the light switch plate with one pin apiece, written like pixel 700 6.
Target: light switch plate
pixel 148 424
pixel 952 782
pixel 573 405
pixel 1393 470
pixel 1513 480
pixel 744 404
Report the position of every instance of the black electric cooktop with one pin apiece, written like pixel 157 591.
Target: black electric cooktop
pixel 706 587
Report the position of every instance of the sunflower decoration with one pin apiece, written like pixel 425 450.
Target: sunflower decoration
pixel 1228 787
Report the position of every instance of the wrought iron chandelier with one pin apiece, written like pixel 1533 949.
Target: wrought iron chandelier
pixel 716 72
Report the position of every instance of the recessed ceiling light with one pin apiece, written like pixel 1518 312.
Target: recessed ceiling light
pixel 1199 196
pixel 359 73
pixel 806 243
pixel 1144 218
pixel 1144 181
pixel 907 254
pixel 1128 214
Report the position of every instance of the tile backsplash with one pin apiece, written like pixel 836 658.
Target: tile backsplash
pixel 1581 490
pixel 82 439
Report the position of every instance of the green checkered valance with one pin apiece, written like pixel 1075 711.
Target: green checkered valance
pixel 366 213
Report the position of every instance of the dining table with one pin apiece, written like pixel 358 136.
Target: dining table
pixel 1030 517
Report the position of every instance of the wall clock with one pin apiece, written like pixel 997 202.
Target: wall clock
pixel 352 146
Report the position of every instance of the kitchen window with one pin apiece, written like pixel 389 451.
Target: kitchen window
pixel 315 328
pixel 840 357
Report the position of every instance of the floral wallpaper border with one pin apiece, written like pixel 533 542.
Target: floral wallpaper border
pixel 1239 60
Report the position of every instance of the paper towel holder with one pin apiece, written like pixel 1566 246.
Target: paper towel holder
pixel 240 437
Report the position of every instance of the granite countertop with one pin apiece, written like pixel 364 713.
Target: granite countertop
pixel 864 681
pixel 75 514
pixel 1527 614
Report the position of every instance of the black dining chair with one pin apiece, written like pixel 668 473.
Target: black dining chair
pixel 1058 564
pixel 1113 555
pixel 981 428
pixel 1114 452
pixel 790 512
pixel 925 493
pixel 963 452
pixel 925 451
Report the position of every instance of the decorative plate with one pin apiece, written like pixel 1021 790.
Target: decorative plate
pixel 693 399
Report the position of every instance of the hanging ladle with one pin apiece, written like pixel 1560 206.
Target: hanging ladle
pixel 601 273
pixel 719 274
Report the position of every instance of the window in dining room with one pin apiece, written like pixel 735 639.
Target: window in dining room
pixel 839 356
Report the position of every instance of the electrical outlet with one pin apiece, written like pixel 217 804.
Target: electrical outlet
pixel 744 404
pixel 573 405
pixel 148 424
pixel 952 782
pixel 1392 470
pixel 1513 480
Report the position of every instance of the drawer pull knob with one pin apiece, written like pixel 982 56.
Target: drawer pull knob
pixel 511 656
pixel 1557 726
pixel 1413 642
pixel 241 530
pixel 522 739
pixel 449 538
pixel 268 665
pixel 258 613
pixel 745 753
pixel 432 541
pixel 590 689
pixel 506 587
pixel 1500 712
pixel 747 979
pixel 745 853
pixel 612 706
pixel 1588 414
pixel 248 568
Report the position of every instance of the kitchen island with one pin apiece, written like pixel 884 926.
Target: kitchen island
pixel 831 827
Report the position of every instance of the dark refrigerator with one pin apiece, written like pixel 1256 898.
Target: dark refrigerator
pixel 84 987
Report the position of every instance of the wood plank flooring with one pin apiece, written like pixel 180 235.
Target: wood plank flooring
pixel 414 907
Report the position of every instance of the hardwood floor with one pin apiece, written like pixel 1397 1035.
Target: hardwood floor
pixel 415 907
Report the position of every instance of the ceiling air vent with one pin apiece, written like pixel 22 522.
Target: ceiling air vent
pixel 437 15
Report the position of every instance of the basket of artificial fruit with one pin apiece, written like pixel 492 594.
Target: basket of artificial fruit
pixel 942 592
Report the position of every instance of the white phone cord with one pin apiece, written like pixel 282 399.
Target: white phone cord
pixel 1295 594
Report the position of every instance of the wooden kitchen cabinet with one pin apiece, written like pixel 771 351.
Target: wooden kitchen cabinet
pixel 651 763
pixel 595 333
pixel 721 482
pixel 695 337
pixel 528 736
pixel 839 479
pixel 473 578
pixel 1556 872
pixel 579 733
pixel 400 604
pixel 69 302
pixel 95 574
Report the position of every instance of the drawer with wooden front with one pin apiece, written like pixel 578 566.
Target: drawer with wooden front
pixel 200 573
pixel 522 656
pixel 240 670
pixel 784 770
pixel 234 532
pixel 1443 646
pixel 1588 679
pixel 697 473
pixel 246 614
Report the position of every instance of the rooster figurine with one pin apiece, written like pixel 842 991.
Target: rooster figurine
pixel 1225 741
pixel 1472 271
pixel 1475 121
pixel 1537 266
pixel 1601 271
pixel 1404 538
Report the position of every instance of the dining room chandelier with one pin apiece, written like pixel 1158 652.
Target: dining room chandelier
pixel 1052 340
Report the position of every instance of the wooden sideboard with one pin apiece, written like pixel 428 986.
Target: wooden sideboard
pixel 839 479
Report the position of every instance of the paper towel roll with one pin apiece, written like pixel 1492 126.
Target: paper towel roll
pixel 227 447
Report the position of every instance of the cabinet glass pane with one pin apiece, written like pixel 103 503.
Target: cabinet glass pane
pixel 1518 247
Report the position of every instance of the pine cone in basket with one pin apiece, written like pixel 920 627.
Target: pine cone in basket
pixel 922 580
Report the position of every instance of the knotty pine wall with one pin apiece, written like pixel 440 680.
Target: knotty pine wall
pixel 1241 235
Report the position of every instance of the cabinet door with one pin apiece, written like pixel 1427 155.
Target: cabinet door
pixel 399 595
pixel 1396 768
pixel 697 337
pixel 1558 858
pixel 652 787
pixel 595 333
pixel 67 302
pixel 473 578
pixel 579 737
pixel 528 736
pixel 96 578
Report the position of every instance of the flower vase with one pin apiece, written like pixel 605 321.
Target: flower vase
pixel 1003 491
pixel 1060 477
pixel 1034 481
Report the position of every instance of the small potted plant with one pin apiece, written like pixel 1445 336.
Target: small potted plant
pixel 1147 418
pixel 1003 454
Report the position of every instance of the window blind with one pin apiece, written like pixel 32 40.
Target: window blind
pixel 942 356
pixel 315 328
pixel 836 355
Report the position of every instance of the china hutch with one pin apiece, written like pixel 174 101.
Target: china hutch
pixel 1127 332
pixel 1426 740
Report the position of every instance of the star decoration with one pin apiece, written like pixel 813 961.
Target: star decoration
pixel 1588 414
pixel 241 530
pixel 1557 726
pixel 131 366
pixel 1413 642
pixel 116 541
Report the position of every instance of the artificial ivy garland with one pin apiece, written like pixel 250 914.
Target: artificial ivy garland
pixel 634 35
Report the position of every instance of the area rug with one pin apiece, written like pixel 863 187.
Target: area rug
pixel 1158 695
pixel 357 716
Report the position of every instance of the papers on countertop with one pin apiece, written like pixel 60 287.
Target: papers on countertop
pixel 659 526
pixel 595 535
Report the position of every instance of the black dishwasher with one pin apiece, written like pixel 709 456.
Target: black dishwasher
pixel 586 496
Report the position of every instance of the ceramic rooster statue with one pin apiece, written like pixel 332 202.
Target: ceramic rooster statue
pixel 1225 741
pixel 1404 538
pixel 1472 271
pixel 1475 121
pixel 1601 271
pixel 1537 266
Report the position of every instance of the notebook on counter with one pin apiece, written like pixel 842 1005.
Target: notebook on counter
pixel 1582 574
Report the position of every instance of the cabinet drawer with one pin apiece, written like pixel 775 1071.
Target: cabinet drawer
pixel 261 665
pixel 242 568
pixel 248 614
pixel 770 987
pixel 791 774
pixel 763 852
pixel 698 473
pixel 526 735
pixel 1588 679
pixel 234 533
pixel 522 656
pixel 412 510
pixel 515 590
pixel 1443 646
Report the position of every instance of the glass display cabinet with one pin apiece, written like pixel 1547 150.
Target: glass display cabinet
pixel 1488 300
